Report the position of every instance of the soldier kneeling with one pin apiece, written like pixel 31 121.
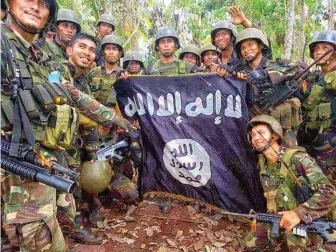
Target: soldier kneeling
pixel 294 187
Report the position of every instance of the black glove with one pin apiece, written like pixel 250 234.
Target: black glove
pixel 259 78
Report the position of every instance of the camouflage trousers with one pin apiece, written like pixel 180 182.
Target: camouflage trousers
pixel 261 240
pixel 43 235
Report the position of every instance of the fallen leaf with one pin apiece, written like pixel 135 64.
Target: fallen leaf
pixel 136 228
pixel 108 235
pixel 149 231
pixel 129 219
pixel 134 234
pixel 156 228
pixel 210 222
pixel 171 243
pixel 163 249
pixel 144 224
pixel 122 231
pixel 199 245
pixel 152 244
pixel 122 240
pixel 225 239
pixel 207 249
pixel 191 209
pixel 217 217
pixel 104 242
pixel 179 234
pixel 211 236
pixel 218 244
pixel 201 232
pixel 143 246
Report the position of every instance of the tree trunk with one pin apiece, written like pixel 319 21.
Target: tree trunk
pixel 290 29
pixel 331 20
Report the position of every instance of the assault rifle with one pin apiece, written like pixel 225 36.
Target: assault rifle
pixel 320 227
pixel 273 96
pixel 28 166
pixel 108 151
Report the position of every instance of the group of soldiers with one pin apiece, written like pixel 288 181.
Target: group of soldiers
pixel 71 131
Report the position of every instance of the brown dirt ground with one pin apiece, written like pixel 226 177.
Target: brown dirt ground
pixel 182 229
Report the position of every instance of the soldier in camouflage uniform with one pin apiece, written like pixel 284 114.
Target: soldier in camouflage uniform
pixel 49 34
pixel 166 43
pixel 209 55
pixel 68 25
pixel 318 130
pixel 191 53
pixel 133 63
pixel 103 77
pixel 105 27
pixel 28 208
pixel 261 74
pixel 294 187
pixel 81 51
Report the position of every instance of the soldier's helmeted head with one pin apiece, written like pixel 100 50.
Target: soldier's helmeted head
pixel 321 42
pixel 105 25
pixel 251 44
pixel 31 16
pixel 82 50
pixel 112 49
pixel 223 35
pixel 133 62
pixel 209 54
pixel 262 131
pixel 68 25
pixel 49 33
pixel 166 41
pixel 191 53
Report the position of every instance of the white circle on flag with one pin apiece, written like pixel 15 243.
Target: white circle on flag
pixel 187 161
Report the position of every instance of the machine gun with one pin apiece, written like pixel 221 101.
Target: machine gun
pixel 320 227
pixel 275 95
pixel 28 166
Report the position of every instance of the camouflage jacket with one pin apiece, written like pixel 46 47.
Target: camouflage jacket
pixel 55 51
pixel 174 68
pixel 318 130
pixel 102 85
pixel 235 64
pixel 281 188
pixel 23 200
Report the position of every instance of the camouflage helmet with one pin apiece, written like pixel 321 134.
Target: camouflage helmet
pixel 95 176
pixel 166 31
pixel 224 25
pixel 209 47
pixel 112 39
pixel 252 33
pixel 190 49
pixel 274 125
pixel 67 15
pixel 323 36
pixel 106 18
pixel 134 56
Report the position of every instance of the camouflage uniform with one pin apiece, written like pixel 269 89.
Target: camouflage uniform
pixel 104 18
pixel 102 85
pixel 278 72
pixel 173 68
pixel 29 208
pixel 300 185
pixel 318 130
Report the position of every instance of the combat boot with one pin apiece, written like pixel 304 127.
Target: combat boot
pixel 97 219
pixel 85 236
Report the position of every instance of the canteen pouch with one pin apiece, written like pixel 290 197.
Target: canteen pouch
pixel 29 104
pixel 43 98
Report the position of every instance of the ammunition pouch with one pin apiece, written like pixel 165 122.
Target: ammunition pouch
pixel 7 115
pixel 330 79
pixel 102 87
pixel 288 114
pixel 30 106
pixel 86 123
pixel 318 111
pixel 61 131
pixel 57 92
pixel 43 98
